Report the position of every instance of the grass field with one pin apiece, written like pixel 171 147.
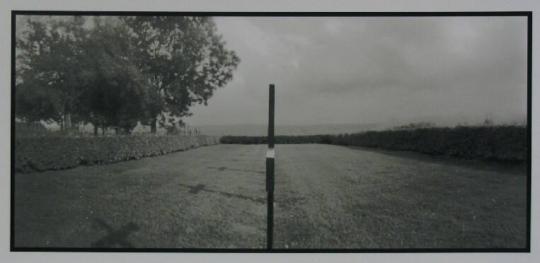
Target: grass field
pixel 327 196
pixel 339 197
pixel 210 197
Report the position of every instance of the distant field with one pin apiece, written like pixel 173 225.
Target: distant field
pixel 493 143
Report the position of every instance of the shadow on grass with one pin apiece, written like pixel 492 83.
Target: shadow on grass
pixel 115 238
pixel 223 168
pixel 194 189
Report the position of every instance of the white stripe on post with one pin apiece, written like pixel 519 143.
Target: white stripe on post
pixel 270 153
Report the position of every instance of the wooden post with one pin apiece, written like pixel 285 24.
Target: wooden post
pixel 270 154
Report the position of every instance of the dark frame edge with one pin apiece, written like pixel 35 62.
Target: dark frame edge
pixel 272 13
pixel 528 14
pixel 274 250
pixel 12 135
pixel 529 127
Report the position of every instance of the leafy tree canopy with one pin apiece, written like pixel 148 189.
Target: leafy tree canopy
pixel 116 71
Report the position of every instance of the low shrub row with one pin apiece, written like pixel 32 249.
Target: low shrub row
pixel 54 153
pixel 497 143
pixel 281 139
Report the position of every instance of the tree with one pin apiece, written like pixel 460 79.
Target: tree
pixel 69 72
pixel 183 60
pixel 115 94
pixel 47 66
pixel 115 72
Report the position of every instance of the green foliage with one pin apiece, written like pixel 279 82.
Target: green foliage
pixel 496 143
pixel 31 129
pixel 57 152
pixel 183 59
pixel 114 72
pixel 114 94
pixel 280 139
pixel 47 69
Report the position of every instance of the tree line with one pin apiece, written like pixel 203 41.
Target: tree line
pixel 113 72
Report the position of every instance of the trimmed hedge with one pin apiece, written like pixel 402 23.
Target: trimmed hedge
pixel 56 152
pixel 280 139
pixel 496 143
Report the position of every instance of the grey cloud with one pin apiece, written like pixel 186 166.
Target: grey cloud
pixel 365 70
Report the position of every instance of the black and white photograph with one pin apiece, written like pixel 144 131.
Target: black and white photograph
pixel 271 132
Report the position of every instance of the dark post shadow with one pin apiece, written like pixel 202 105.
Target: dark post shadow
pixel 115 238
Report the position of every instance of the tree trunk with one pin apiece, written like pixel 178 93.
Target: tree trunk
pixel 68 121
pixel 95 129
pixel 153 126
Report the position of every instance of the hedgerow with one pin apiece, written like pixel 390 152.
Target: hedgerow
pixel 506 143
pixel 281 139
pixel 60 152
pixel 497 143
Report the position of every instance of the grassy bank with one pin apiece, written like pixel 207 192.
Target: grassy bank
pixel 495 143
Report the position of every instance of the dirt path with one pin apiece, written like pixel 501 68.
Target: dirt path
pixel 326 197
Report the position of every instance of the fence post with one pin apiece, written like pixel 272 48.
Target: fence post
pixel 270 155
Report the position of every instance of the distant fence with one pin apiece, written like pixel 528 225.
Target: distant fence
pixel 55 152
pixel 496 143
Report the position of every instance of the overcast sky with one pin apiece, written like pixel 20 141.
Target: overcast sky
pixel 372 70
